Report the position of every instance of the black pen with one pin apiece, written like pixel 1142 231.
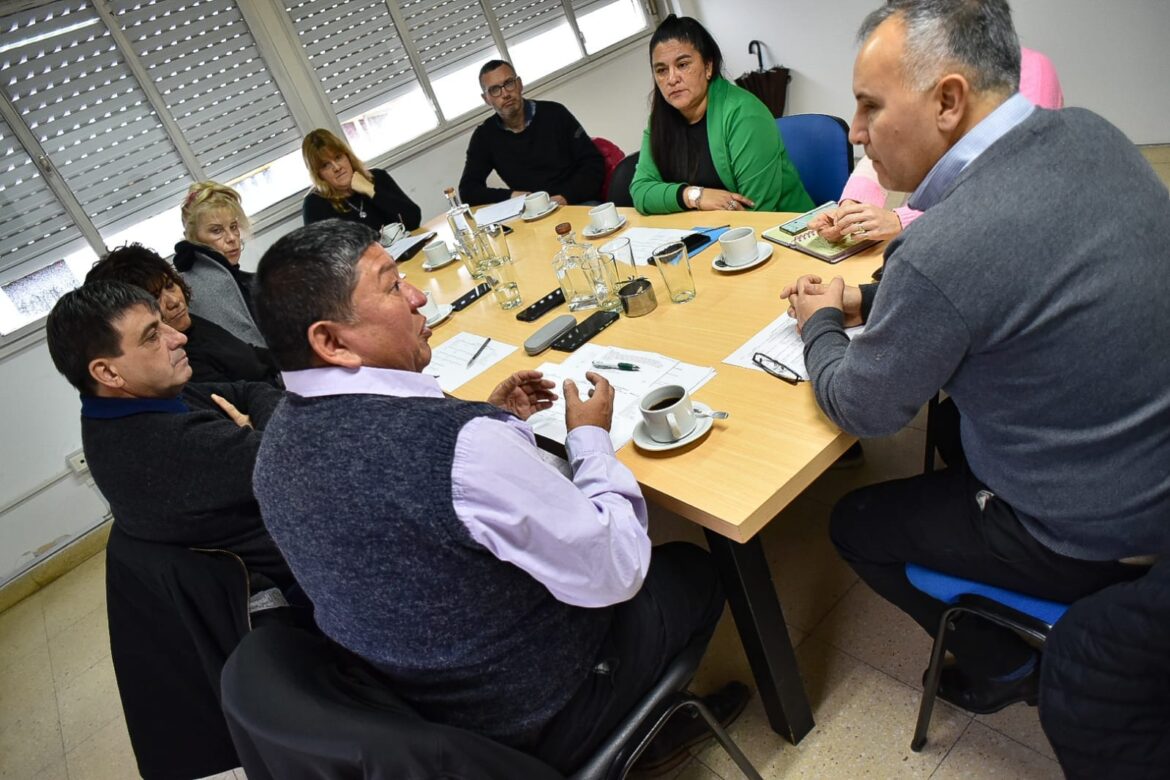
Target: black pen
pixel 479 351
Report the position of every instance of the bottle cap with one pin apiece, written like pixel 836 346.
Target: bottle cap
pixel 563 228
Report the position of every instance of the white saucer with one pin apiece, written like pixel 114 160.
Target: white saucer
pixel 532 218
pixel 589 232
pixel 443 313
pixel 702 425
pixel 426 266
pixel 763 252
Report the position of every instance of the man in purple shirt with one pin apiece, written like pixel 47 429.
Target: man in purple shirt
pixel 434 539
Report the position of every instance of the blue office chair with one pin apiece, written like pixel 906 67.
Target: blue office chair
pixel 818 145
pixel 1028 616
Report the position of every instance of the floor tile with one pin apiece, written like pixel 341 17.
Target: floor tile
pixel 1157 153
pixel 864 722
pixel 22 630
pixel 26 686
pixel 1163 171
pixel 873 630
pixel 810 576
pixel 55 771
pixel 984 752
pixel 697 770
pixel 31 741
pixel 889 457
pixel 78 647
pixel 1021 723
pixel 88 704
pixel 75 595
pixel 106 755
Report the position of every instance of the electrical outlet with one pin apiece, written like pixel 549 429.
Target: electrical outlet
pixel 77 462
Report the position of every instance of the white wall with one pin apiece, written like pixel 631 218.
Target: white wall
pixel 39 410
pixel 1112 57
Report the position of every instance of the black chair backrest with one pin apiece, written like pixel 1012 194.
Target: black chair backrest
pixel 619 182
pixel 175 615
pixel 299 706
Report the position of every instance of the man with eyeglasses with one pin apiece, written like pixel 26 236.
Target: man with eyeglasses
pixel 534 145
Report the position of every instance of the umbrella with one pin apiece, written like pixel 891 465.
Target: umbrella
pixel 770 86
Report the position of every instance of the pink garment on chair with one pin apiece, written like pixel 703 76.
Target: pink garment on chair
pixel 1038 82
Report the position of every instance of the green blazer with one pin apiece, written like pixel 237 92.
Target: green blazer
pixel 748 153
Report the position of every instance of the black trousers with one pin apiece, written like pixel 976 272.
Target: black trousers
pixel 950 521
pixel 680 601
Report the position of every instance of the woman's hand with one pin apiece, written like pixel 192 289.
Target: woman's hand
pixel 361 184
pixel 722 200
pixel 856 220
pixel 238 417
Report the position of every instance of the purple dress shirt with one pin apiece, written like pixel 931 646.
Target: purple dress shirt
pixel 585 539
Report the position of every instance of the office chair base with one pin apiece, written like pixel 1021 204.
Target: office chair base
pixel 681 701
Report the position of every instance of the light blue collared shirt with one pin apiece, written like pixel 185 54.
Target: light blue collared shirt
pixel 585 539
pixel 978 140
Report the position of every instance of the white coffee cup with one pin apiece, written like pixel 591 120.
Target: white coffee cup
pixel 738 246
pixel 437 252
pixel 603 217
pixel 430 308
pixel 536 203
pixel 395 231
pixel 667 413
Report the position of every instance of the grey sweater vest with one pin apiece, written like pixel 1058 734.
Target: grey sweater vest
pixel 356 490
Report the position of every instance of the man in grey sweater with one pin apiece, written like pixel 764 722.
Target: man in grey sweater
pixel 1034 292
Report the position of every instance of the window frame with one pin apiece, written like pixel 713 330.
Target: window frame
pixel 278 45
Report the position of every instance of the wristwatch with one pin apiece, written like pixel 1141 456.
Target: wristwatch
pixel 691 195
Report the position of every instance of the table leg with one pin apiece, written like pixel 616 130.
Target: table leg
pixel 756 609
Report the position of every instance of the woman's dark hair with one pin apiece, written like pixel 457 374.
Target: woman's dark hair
pixel 668 139
pixel 140 266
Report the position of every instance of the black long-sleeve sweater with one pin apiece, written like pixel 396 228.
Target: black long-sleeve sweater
pixel 553 153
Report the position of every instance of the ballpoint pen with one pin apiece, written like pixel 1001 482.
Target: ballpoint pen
pixel 479 351
pixel 617 366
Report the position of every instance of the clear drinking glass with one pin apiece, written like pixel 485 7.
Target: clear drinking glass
pixel 675 267
pixel 501 275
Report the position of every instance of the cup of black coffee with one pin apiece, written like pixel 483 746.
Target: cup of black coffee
pixel 667 413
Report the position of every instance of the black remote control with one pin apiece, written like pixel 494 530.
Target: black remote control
pixel 469 298
pixel 590 327
pixel 543 306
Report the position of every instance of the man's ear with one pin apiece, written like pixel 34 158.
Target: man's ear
pixel 953 94
pixel 484 95
pixel 327 340
pixel 105 373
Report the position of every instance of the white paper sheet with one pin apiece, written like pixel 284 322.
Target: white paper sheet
pixel 780 341
pixel 643 241
pixel 629 386
pixel 449 359
pixel 499 212
pixel 404 245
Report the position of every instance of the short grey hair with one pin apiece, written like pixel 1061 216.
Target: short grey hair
pixel 975 37
pixel 307 276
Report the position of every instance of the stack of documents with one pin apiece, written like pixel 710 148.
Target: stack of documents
pixel 500 212
pixel 643 241
pixel 780 341
pixel 629 386
pixel 449 360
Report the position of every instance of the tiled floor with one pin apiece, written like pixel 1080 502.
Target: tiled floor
pixel 861 659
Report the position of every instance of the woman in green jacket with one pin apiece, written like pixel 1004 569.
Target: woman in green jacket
pixel 710 145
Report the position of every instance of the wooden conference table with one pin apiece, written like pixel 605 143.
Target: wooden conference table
pixel 749 467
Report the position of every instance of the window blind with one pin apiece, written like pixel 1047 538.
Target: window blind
pixel 202 58
pixel 33 224
pixel 75 93
pixel 447 33
pixel 519 19
pixel 355 50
